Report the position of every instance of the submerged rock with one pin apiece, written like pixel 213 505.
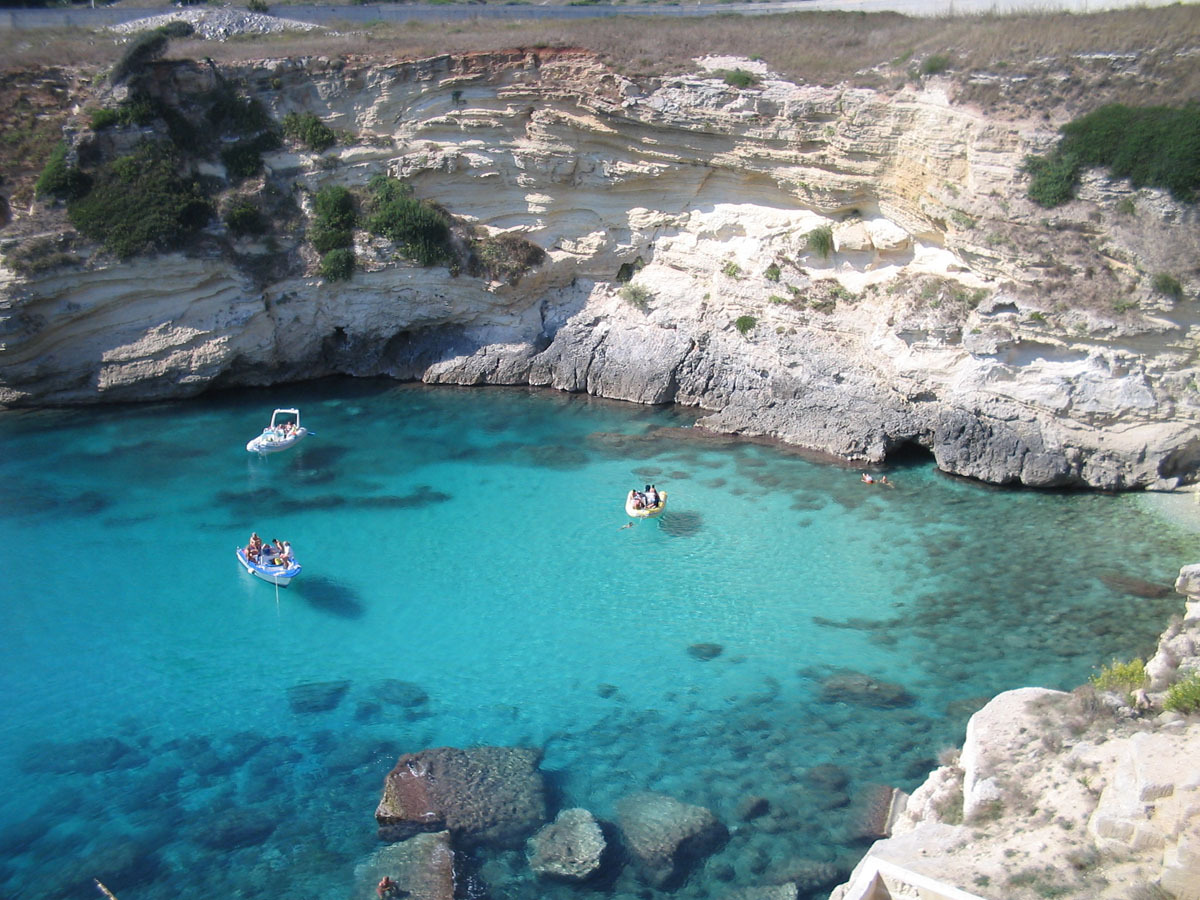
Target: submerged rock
pixel 317 696
pixel 768 892
pixel 233 828
pixel 863 690
pixel 569 848
pixel 1138 587
pixel 874 811
pixel 705 651
pixel 493 796
pixel 421 867
pixel 665 837
pixel 401 693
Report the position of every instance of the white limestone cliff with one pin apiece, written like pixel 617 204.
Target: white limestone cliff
pixel 952 313
pixel 1058 794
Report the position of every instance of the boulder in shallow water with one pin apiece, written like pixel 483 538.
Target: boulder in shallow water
pixel 768 892
pixel 230 829
pixel 401 693
pixel 874 811
pixel 705 651
pixel 808 876
pixel 422 868
pixel 317 697
pixel 827 777
pixel 752 807
pixel 489 796
pixel 665 837
pixel 1138 587
pixel 569 848
pixel 863 690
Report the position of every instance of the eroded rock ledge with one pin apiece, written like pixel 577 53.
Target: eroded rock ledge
pixel 1016 344
pixel 1079 795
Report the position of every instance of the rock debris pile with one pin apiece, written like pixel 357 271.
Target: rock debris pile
pixel 218 24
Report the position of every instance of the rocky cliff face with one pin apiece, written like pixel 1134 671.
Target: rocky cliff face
pixel 1016 344
pixel 1066 795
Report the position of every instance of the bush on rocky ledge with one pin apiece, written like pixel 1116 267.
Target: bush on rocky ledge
pixel 1152 146
pixel 59 179
pixel 309 130
pixel 421 232
pixel 139 202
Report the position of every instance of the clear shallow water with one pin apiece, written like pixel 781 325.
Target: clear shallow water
pixel 469 545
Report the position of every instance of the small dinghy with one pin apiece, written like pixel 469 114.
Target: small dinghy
pixel 284 431
pixel 646 512
pixel 280 573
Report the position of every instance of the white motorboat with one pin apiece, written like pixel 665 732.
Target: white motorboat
pixel 267 569
pixel 284 431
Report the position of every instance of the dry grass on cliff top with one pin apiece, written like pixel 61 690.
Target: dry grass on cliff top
pixel 881 50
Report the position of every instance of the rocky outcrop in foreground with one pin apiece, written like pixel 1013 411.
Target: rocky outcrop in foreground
pixel 484 795
pixel 442 800
pixel 844 269
pixel 1081 795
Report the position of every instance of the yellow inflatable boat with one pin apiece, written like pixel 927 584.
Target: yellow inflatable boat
pixel 648 512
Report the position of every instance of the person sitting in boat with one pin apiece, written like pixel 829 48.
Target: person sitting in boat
pixel 285 555
pixel 637 501
pixel 254 548
pixel 653 498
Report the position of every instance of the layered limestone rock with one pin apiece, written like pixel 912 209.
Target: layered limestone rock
pixel 1016 344
pixel 1058 793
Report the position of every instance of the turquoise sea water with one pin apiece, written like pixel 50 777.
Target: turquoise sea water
pixel 467 580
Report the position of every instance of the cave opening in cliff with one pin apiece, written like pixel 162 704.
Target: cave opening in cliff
pixel 909 453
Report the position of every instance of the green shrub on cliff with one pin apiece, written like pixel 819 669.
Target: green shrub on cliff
pixel 636 296
pixel 420 231
pixel 1184 696
pixel 333 207
pixel 139 202
pixel 230 113
pixel 738 78
pixel 1167 284
pixel 1122 677
pixel 58 179
pixel 744 324
pixel 142 50
pixel 935 64
pixel 337 265
pixel 820 240
pixel 243 217
pixel 334 219
pixel 1153 146
pixel 309 130
pixel 507 256
pixel 244 159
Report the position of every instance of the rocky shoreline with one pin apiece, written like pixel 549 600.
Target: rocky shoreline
pixel 675 217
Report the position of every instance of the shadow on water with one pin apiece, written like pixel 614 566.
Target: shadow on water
pixel 46 499
pixel 311 455
pixel 331 597
pixel 681 524
pixel 273 501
